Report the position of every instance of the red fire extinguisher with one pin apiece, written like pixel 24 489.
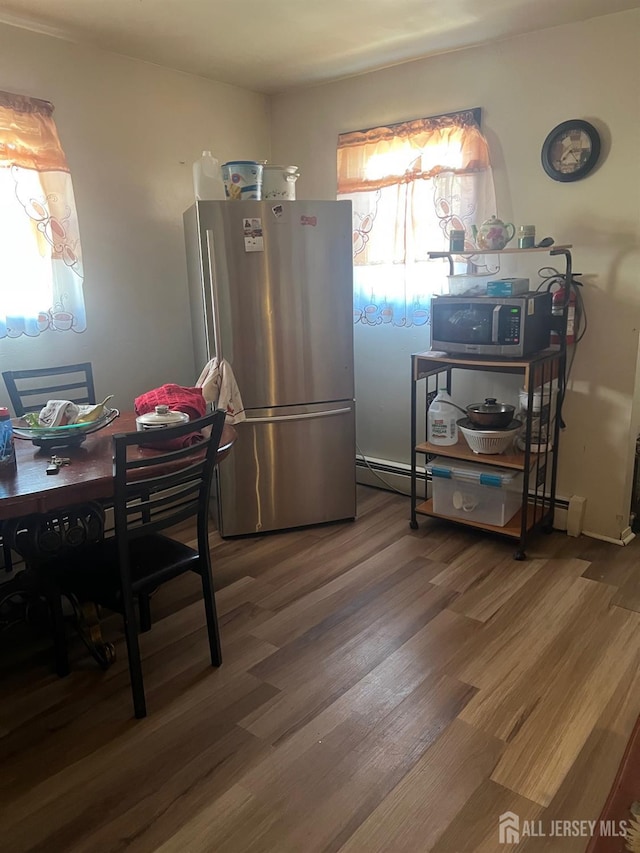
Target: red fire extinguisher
pixel 559 304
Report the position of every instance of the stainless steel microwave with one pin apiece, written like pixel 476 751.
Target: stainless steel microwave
pixel 513 326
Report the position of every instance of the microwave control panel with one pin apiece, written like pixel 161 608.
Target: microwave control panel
pixel 510 333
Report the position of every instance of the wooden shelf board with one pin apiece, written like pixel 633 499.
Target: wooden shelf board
pixel 484 362
pixel 511 529
pixel 461 450
pixel 547 249
pixel 545 365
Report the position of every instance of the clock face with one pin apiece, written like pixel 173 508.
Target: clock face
pixel 571 150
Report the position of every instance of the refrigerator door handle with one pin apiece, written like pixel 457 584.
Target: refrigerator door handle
pixel 303 417
pixel 214 290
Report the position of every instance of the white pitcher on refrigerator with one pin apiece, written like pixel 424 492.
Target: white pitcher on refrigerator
pixel 279 182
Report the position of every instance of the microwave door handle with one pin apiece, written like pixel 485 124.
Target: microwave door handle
pixel 495 324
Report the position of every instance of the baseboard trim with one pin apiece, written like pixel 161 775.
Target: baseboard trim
pixel 625 537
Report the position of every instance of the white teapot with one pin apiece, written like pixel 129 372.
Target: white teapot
pixel 493 234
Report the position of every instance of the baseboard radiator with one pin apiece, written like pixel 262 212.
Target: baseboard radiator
pixel 393 476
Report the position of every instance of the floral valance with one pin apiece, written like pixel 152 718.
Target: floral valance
pixel 409 151
pixel 28 135
pixel 41 274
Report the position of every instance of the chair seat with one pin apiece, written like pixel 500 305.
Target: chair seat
pixel 93 575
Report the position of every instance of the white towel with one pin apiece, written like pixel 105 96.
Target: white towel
pixel 220 388
pixel 58 413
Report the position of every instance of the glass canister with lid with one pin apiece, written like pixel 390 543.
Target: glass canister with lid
pixel 526 236
pixel 543 414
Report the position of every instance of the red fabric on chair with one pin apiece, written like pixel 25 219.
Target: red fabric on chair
pixel 178 399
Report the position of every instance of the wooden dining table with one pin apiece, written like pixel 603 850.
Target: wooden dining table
pixel 87 477
pixel 32 500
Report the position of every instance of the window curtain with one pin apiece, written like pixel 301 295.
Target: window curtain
pixel 410 185
pixel 40 257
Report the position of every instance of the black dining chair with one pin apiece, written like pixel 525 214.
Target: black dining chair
pixel 30 390
pixel 158 483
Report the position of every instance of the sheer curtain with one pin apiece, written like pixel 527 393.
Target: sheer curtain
pixel 40 257
pixel 410 185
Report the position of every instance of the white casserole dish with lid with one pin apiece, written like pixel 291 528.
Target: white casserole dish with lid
pixel 162 417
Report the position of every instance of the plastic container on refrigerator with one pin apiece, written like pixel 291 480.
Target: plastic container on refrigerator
pixel 474 492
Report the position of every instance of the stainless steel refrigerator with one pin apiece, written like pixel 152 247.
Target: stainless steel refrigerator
pixel 271 292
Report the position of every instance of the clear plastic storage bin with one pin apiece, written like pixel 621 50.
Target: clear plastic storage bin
pixel 474 492
pixel 469 284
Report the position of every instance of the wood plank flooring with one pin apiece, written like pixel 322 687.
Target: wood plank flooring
pixel 382 689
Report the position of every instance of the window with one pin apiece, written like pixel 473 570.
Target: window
pixel 410 185
pixel 40 257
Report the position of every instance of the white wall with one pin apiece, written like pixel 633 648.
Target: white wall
pixel 525 86
pixel 131 132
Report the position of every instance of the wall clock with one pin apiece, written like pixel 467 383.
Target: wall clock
pixel 571 150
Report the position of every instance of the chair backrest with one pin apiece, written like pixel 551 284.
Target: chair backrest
pixel 30 390
pixel 158 488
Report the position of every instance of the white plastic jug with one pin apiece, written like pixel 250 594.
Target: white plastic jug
pixel 207 178
pixel 442 416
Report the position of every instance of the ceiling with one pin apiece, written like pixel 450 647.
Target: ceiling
pixel 274 45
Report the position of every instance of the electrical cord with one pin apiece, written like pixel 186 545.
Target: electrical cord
pixel 581 328
pixel 551 276
pixel 376 474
